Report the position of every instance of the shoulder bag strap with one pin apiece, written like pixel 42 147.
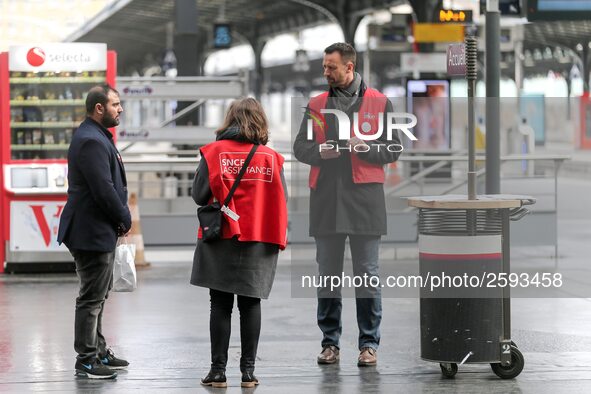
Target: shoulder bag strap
pixel 240 174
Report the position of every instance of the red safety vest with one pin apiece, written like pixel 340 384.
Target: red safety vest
pixel 373 102
pixel 259 199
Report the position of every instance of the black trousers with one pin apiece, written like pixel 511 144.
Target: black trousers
pixel 220 322
pixel 95 272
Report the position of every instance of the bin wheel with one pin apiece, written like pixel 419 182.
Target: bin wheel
pixel 449 370
pixel 512 370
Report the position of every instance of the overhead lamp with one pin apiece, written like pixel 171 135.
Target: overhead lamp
pixel 402 9
pixel 527 59
pixel 302 62
pixel 547 53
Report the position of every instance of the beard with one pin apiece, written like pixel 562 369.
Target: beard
pixel 108 121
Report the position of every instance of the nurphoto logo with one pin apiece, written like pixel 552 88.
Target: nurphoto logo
pixel 366 134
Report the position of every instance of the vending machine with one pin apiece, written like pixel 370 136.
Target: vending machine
pixel 42 102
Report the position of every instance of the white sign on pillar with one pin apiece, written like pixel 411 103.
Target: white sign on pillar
pixel 423 62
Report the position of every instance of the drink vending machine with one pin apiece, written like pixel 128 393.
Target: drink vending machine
pixel 42 102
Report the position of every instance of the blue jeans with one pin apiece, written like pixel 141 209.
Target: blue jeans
pixel 330 251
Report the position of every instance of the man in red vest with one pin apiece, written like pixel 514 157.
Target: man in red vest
pixel 347 195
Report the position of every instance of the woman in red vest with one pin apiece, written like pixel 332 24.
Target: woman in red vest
pixel 243 262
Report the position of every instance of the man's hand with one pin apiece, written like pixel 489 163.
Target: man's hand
pixel 329 154
pixel 328 150
pixel 121 230
pixel 355 141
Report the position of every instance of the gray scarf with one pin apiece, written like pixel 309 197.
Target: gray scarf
pixel 346 97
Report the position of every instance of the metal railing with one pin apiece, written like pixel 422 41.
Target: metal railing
pixel 170 178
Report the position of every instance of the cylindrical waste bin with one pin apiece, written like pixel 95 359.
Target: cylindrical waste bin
pixel 464 313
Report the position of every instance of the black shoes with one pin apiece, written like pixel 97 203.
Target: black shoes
pixel 94 370
pixel 215 379
pixel 248 380
pixel 113 362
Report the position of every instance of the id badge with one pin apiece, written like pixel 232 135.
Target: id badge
pixel 229 213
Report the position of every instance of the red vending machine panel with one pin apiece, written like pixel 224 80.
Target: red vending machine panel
pixel 585 130
pixel 42 99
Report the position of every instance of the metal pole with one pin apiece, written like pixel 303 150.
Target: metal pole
pixel 366 65
pixel 493 77
pixel 517 32
pixel 471 75
pixel 557 164
pixel 506 262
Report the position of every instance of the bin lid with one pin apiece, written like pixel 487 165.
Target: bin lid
pixel 461 201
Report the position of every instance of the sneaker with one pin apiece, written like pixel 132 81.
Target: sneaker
pixel 367 357
pixel 94 370
pixel 329 355
pixel 216 379
pixel 113 362
pixel 249 380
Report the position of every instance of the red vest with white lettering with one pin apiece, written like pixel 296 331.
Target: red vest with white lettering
pixel 374 103
pixel 259 199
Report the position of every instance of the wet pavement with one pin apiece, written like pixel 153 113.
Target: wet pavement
pixel 162 329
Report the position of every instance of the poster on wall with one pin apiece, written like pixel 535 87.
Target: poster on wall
pixel 429 101
pixel 532 109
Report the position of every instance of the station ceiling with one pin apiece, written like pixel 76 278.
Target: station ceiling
pixel 562 33
pixel 135 28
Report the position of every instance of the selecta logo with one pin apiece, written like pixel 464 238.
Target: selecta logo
pixel 36 56
pixel 74 57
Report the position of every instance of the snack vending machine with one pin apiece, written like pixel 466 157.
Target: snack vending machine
pixel 42 102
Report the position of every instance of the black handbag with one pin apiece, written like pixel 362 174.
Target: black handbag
pixel 211 216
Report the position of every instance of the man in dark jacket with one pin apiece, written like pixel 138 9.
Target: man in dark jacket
pixel 347 195
pixel 95 214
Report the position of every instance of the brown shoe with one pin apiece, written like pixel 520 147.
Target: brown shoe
pixel 329 355
pixel 367 357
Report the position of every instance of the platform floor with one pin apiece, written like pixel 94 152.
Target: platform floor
pixel 162 329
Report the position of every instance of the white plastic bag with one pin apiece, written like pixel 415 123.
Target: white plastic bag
pixel 124 275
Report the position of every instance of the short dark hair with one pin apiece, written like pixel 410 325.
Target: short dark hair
pixel 346 51
pixel 98 95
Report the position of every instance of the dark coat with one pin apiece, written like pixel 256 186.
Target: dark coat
pixel 337 205
pixel 243 268
pixel 97 192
